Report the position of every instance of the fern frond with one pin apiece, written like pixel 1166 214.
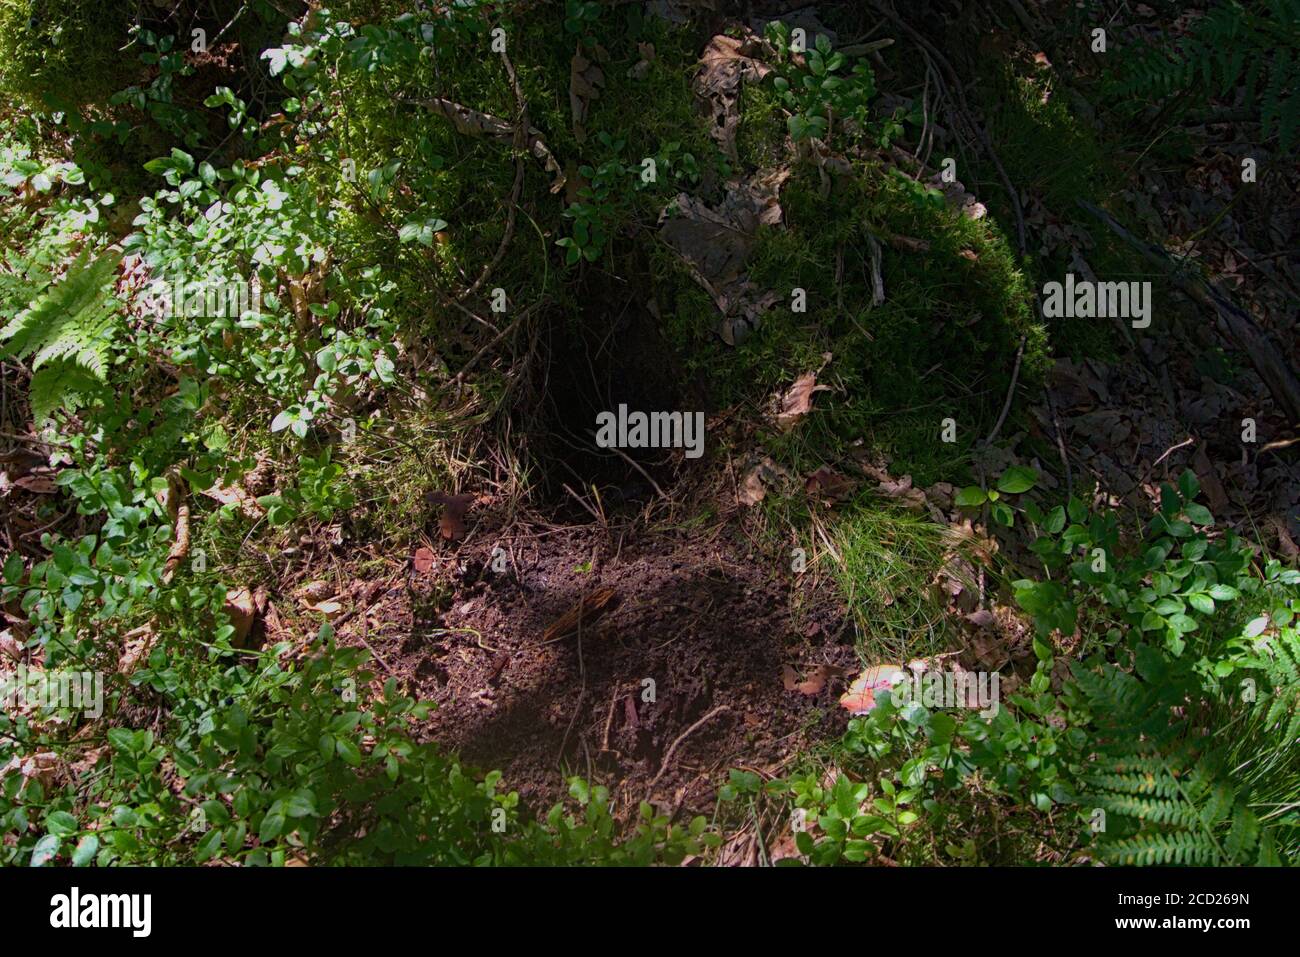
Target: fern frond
pixel 1168 798
pixel 61 385
pixel 1244 834
pixel 1280 665
pixel 68 333
pixel 1233 45
pixel 1145 850
pixel 1173 813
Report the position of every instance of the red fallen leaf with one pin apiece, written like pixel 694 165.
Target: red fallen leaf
pixel 814 684
pixel 452 523
pixel 861 696
pixel 422 559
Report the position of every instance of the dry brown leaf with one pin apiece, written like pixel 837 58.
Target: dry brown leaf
pixel 814 683
pixel 242 611
pixel 726 63
pixel 797 401
pixel 423 559
pixel 764 473
pixel 237 496
pixel 1285 543
pixel 641 68
pixel 20 462
pixel 451 524
pixel 715 243
pixel 902 490
pixel 136 646
pixel 10 646
pixel 828 484
pixel 330 608
pixel 752 489
pixel 316 590
pixel 1208 476
pixel 37 484
pixel 41 767
pixel 585 82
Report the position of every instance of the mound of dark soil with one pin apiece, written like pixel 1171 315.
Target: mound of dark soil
pixel 694 639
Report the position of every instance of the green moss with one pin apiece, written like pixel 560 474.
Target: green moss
pixel 760 139
pixel 65 47
pixel 942 344
pixel 1046 149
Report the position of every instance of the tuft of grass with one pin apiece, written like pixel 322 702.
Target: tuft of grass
pixel 888 565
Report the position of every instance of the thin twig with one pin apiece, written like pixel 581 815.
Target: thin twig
pixel 636 465
pixel 672 748
pixel 521 144
pixel 1011 391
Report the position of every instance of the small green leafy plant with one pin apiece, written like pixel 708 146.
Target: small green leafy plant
pixel 821 90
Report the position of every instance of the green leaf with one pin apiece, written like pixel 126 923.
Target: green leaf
pixel 302 804
pixel 804 842
pixel 210 845
pixel 1017 479
pixel 1055 520
pixel 85 851
pixel 421 230
pixel 272 826
pixel 348 751
pixel 45 850
pixel 971 496
pixel 215 813
pixel 60 823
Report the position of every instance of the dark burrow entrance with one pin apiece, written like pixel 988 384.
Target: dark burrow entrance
pixel 611 352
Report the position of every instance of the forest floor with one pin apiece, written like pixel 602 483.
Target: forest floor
pixel 833 305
